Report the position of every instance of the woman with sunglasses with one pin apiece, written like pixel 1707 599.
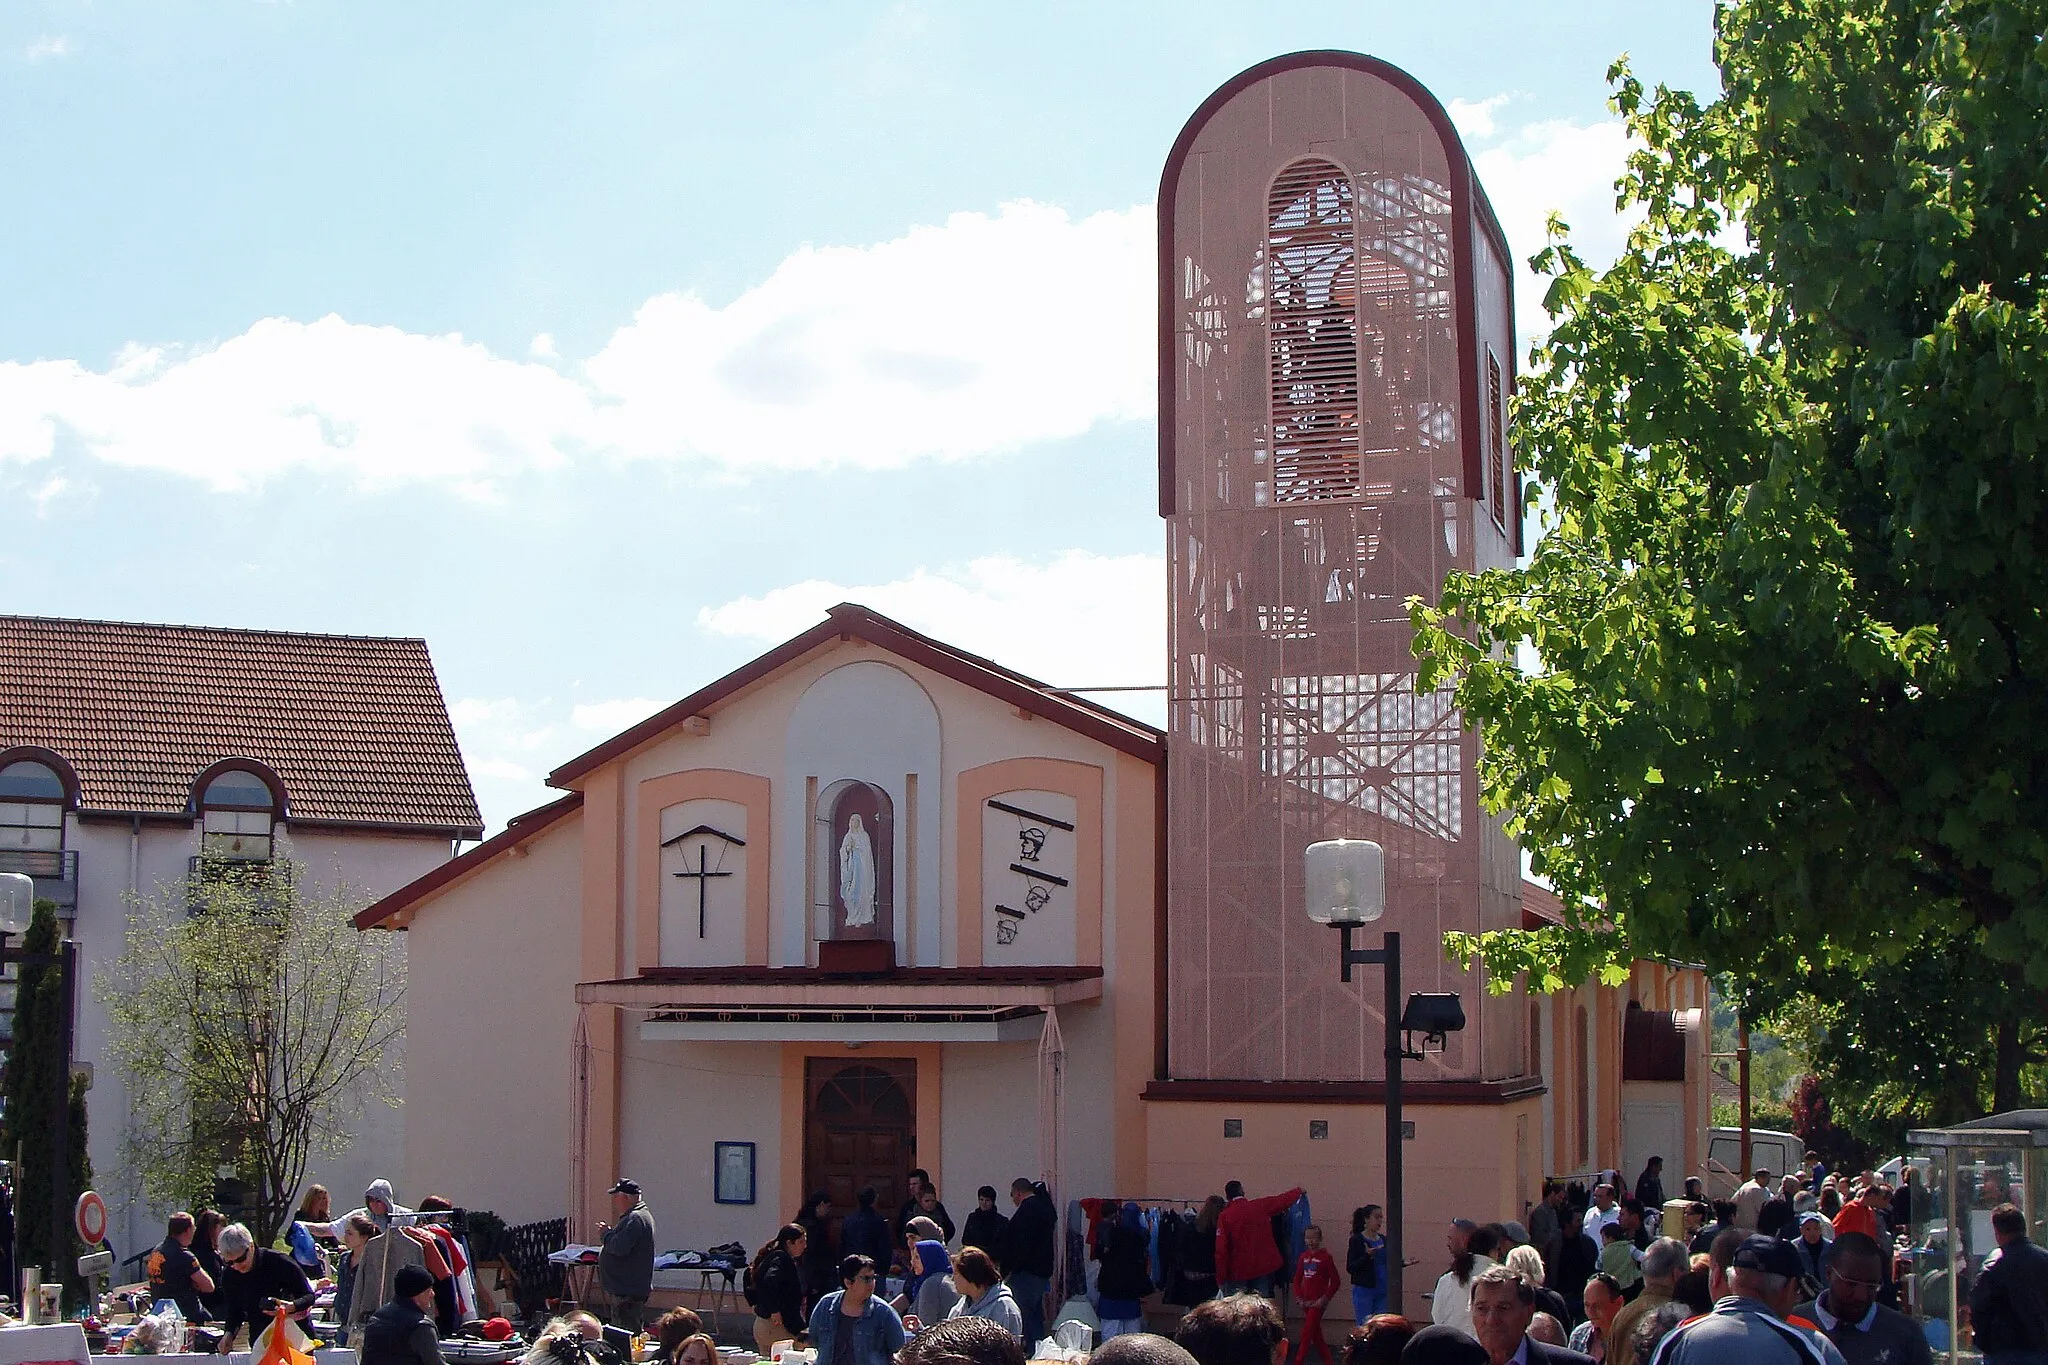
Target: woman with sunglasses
pixel 853 1325
pixel 251 1277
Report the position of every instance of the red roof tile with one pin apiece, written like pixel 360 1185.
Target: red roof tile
pixel 355 726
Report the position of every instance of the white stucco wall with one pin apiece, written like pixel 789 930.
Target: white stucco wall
pixel 711 932
pixel 990 1124
pixel 119 862
pixel 760 731
pixel 490 1019
pixel 677 1100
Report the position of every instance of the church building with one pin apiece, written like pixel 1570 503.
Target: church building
pixel 871 903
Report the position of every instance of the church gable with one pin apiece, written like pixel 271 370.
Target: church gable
pixel 836 813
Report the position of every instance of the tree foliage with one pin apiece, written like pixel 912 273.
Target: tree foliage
pixel 35 1078
pixel 253 1022
pixel 1789 709
pixel 1939 1036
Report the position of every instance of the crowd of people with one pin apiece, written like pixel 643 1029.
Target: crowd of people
pixel 807 1284
pixel 1794 1270
pixel 1798 1269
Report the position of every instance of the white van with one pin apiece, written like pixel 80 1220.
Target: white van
pixel 1776 1152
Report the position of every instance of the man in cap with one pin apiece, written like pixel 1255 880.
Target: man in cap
pixel 625 1258
pixel 1865 1331
pixel 402 1331
pixel 1749 1326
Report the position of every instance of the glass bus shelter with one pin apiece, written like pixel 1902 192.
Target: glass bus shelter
pixel 1958 1176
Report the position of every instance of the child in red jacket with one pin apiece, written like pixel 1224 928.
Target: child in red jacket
pixel 1316 1282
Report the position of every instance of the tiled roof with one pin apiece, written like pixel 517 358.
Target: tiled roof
pixel 354 726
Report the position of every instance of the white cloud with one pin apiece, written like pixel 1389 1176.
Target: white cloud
pixel 1475 118
pixel 482 710
pixel 610 717
pixel 983 334
pixel 42 49
pixel 1077 620
pixel 1562 167
pixel 47 492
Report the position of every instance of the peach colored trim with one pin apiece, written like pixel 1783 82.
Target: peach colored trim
pixel 1083 782
pixel 657 794
pixel 1607 1065
pixel 930 1085
pixel 1133 868
pixel 602 943
pixel 1560 1081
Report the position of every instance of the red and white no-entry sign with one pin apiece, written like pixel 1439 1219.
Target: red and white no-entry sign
pixel 90 1218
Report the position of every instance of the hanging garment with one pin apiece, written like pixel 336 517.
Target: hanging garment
pixel 378 1264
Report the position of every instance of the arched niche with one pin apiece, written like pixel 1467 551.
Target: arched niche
pixel 863 739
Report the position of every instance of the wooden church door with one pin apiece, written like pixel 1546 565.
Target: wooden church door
pixel 860 1129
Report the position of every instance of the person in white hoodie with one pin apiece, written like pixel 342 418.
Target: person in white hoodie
pixel 378 1205
pixel 1451 1304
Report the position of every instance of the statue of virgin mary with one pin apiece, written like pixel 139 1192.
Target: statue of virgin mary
pixel 857 875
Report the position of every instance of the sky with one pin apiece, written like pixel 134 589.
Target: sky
pixel 605 345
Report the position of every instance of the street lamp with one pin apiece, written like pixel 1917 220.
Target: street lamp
pixel 1346 881
pixel 17 902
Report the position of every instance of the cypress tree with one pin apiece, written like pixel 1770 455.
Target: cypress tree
pixel 36 1079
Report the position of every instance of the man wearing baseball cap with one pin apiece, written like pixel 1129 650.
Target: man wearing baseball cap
pixel 625 1258
pixel 1749 1326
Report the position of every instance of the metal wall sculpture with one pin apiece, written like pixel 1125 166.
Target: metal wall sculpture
pixel 1335 349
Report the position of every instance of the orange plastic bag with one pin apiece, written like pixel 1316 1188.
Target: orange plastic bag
pixel 282 1343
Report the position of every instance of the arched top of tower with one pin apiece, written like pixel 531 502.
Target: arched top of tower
pixel 1259 81
pixel 1327 138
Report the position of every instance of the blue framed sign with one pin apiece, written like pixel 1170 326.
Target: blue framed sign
pixel 732 1172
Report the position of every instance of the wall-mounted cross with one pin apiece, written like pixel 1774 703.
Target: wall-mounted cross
pixel 702 873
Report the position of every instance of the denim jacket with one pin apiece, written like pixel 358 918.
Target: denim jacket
pixel 877 1335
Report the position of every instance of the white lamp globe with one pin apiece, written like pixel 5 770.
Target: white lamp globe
pixel 1346 881
pixel 17 902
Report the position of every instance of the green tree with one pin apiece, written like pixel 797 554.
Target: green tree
pixel 36 1075
pixel 1787 711
pixel 1940 1036
pixel 252 1022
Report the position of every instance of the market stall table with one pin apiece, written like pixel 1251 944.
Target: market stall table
pixel 44 1344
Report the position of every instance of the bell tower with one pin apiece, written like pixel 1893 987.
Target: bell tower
pixel 1335 350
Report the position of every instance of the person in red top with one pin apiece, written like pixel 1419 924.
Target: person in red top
pixel 1858 1215
pixel 1315 1283
pixel 1247 1257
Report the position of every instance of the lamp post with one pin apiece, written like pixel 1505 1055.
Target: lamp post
pixel 1346 885
pixel 17 912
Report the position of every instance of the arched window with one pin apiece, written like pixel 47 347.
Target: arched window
pixel 1312 332
pixel 238 813
pixel 32 801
